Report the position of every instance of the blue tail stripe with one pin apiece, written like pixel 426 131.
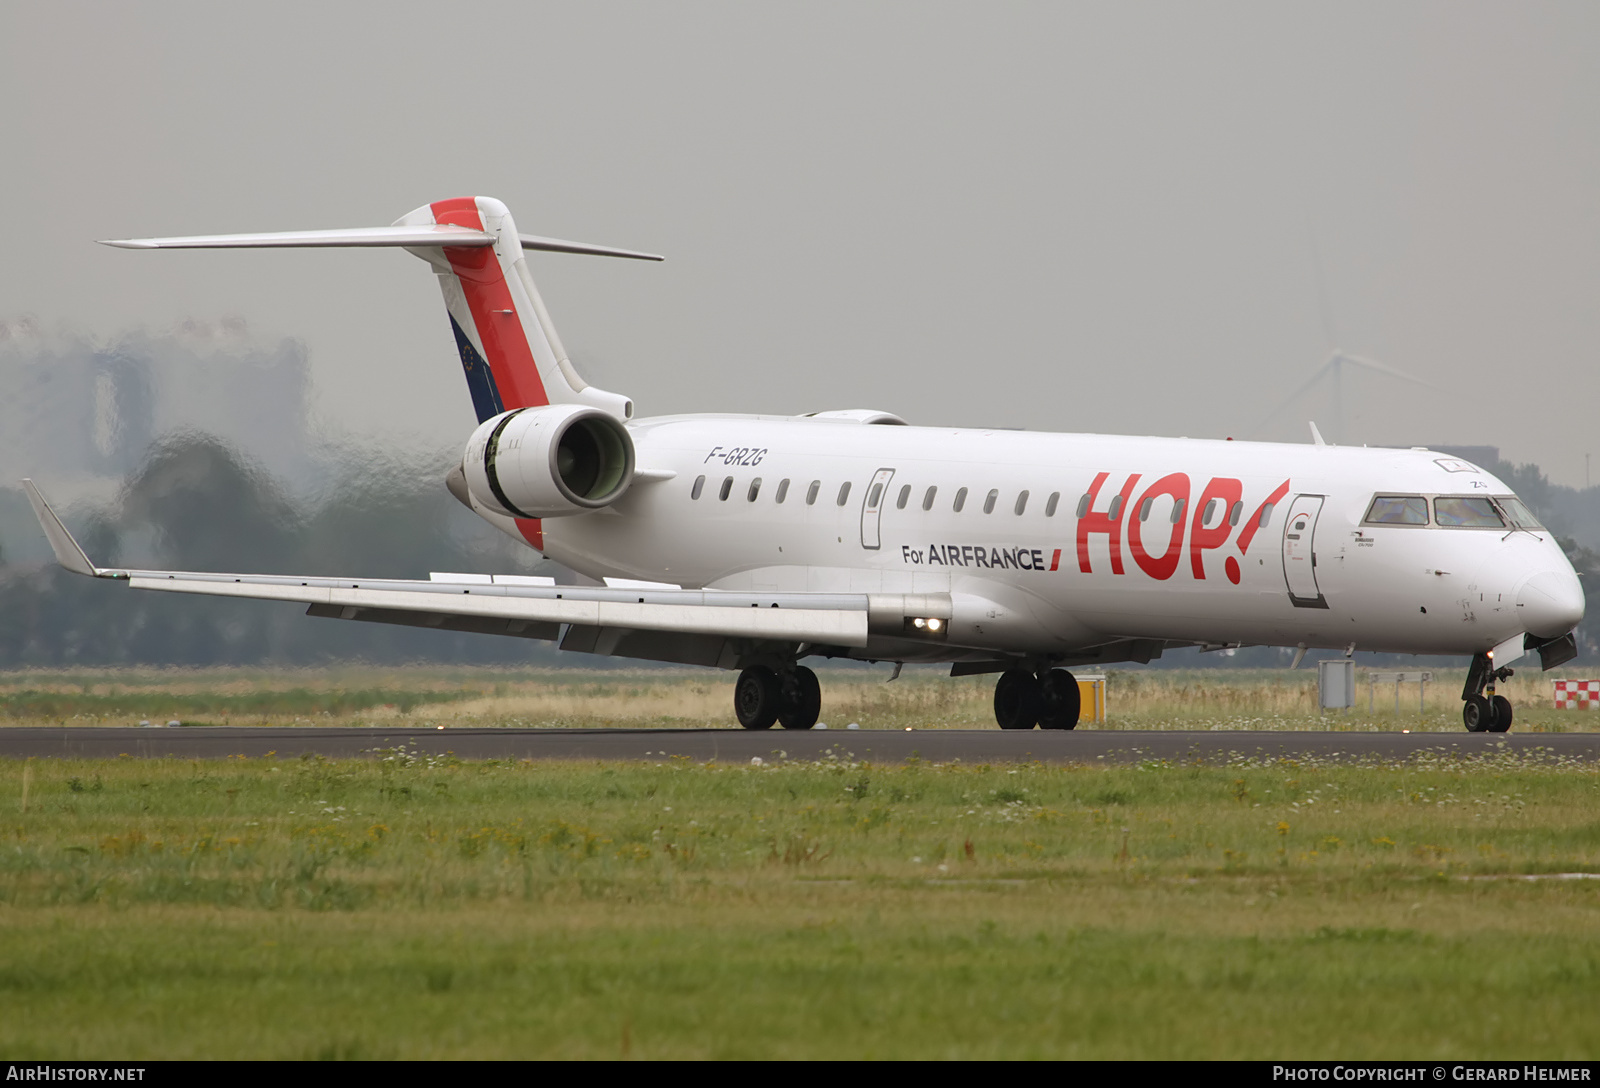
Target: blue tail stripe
pixel 480 380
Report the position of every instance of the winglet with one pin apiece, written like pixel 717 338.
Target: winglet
pixel 1316 435
pixel 68 553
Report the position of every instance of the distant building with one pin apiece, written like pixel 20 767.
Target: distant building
pixel 84 413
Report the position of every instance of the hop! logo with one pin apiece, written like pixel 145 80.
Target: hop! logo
pixel 1220 502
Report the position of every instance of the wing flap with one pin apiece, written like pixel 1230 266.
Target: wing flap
pixel 837 626
pixel 440 621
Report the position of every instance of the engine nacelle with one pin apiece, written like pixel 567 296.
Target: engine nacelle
pixel 548 461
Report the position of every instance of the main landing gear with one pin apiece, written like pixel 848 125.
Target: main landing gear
pixel 1483 711
pixel 1049 700
pixel 790 697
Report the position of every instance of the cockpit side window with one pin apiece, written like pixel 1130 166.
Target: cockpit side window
pixel 1467 512
pixel 1397 510
pixel 1519 515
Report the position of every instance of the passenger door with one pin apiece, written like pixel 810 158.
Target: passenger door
pixel 872 504
pixel 1299 552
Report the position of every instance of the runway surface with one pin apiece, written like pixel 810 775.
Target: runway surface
pixel 740 746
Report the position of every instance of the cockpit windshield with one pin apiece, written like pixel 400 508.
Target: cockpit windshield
pixel 1398 510
pixel 1452 512
pixel 1467 512
pixel 1518 514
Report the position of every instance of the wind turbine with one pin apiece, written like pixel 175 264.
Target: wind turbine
pixel 1333 369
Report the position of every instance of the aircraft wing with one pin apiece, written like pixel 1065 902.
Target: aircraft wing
pixel 687 626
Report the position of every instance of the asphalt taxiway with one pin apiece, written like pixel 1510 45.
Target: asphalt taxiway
pixel 741 746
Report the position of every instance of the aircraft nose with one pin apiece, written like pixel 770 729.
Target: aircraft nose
pixel 1550 603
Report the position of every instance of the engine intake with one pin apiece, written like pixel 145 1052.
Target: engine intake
pixel 548 461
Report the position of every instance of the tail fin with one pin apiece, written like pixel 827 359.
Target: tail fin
pixel 509 347
pixel 508 344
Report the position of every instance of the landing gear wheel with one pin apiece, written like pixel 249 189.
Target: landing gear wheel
pixel 755 698
pixel 1060 700
pixel 799 699
pixel 1502 715
pixel 1016 700
pixel 1477 713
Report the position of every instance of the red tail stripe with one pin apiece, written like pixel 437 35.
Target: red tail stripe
pixel 505 343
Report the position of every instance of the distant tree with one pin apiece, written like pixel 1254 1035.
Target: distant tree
pixel 198 504
pixel 210 507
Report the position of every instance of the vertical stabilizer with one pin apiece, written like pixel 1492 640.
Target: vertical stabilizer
pixel 509 348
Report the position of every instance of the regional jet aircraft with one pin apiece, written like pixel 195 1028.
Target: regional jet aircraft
pixel 752 543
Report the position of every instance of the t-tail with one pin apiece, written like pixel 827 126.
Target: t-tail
pixel 509 349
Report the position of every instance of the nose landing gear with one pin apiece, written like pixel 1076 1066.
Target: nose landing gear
pixel 791 698
pixel 1483 711
pixel 1050 700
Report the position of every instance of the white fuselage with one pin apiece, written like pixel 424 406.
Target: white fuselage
pixel 1039 579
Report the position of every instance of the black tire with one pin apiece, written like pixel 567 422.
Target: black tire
pixel 1060 700
pixel 755 698
pixel 799 699
pixel 1016 700
pixel 1502 715
pixel 1477 714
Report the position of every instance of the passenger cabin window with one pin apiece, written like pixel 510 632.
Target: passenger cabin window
pixel 811 492
pixel 961 500
pixel 1050 504
pixel 1517 513
pixel 927 500
pixel 872 496
pixel 1144 509
pixel 1114 511
pixel 844 493
pixel 1022 502
pixel 989 501
pixel 1397 510
pixel 1233 515
pixel 783 491
pixel 727 489
pixel 1211 509
pixel 1467 513
pixel 1083 505
pixel 905 497
pixel 755 489
pixel 1266 516
pixel 1177 510
pixel 699 486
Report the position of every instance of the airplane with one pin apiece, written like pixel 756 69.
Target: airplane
pixel 754 542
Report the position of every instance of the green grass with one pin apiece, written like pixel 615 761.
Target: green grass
pixel 923 698
pixel 409 906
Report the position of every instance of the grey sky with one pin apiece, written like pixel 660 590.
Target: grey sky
pixel 1058 216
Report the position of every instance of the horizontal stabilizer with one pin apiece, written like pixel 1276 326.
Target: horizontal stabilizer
pixel 438 234
pixel 556 245
pixel 428 236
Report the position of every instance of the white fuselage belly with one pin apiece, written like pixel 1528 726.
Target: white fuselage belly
pixel 1020 577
